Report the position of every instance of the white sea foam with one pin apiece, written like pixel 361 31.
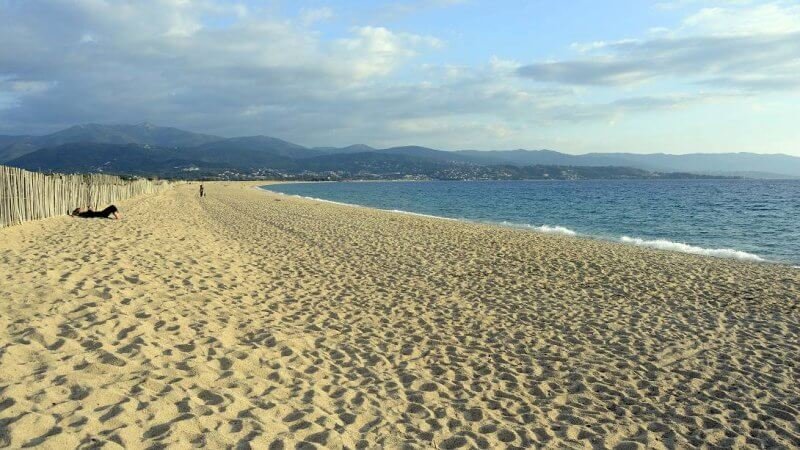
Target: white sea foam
pixel 557 229
pixel 551 229
pixel 396 211
pixel 664 244
pixel 661 244
pixel 312 198
pixel 326 201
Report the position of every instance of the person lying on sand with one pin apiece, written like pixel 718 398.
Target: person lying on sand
pixel 106 213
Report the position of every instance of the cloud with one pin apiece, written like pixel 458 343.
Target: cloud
pixel 195 64
pixel 770 18
pixel 309 17
pixel 234 74
pixel 681 4
pixel 237 69
pixel 695 58
pixel 380 50
pixel 398 9
pixel 757 83
pixel 715 44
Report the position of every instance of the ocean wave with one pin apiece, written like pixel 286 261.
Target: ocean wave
pixel 663 244
pixel 557 229
pixel 550 229
pixel 396 211
pixel 312 198
pixel 327 201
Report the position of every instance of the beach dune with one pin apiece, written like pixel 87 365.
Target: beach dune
pixel 248 319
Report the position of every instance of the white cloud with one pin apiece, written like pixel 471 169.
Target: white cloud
pixel 30 87
pixel 714 45
pixel 771 18
pixel 309 17
pixel 377 50
pixel 682 4
pixel 229 68
pixel 503 66
pixel 397 9
pixel 193 64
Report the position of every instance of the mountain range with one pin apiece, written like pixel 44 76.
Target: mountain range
pixel 146 149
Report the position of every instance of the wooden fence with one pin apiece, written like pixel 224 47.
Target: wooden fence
pixel 28 196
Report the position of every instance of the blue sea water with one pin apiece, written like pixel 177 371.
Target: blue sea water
pixel 756 220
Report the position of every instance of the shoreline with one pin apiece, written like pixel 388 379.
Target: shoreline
pixel 249 318
pixel 656 244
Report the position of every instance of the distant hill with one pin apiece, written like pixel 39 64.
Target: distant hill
pixel 373 162
pixel 143 133
pixel 729 164
pixel 428 153
pixel 13 148
pixel 754 175
pixel 133 159
pixel 153 144
pixel 531 157
pixel 724 163
pixel 356 148
pixel 252 151
pixel 237 160
pixel 6 139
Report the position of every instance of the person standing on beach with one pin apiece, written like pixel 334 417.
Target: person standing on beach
pixel 202 192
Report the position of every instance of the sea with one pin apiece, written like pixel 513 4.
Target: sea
pixel 753 220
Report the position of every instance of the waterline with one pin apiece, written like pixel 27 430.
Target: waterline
pixel 660 244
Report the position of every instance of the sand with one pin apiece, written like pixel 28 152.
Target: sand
pixel 252 320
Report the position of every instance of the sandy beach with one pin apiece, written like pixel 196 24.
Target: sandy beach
pixel 247 319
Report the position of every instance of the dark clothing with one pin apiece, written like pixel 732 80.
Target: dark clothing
pixel 104 213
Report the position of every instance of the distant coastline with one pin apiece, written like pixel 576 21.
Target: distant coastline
pixel 661 245
pixel 149 150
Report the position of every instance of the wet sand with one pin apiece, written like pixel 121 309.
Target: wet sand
pixel 251 320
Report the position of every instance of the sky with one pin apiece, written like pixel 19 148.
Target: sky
pixel 672 76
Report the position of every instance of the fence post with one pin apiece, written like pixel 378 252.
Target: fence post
pixel 34 195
